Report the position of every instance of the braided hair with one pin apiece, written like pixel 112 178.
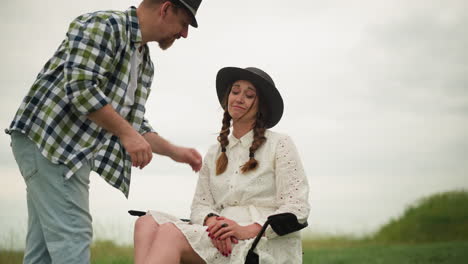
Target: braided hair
pixel 259 139
pixel 221 163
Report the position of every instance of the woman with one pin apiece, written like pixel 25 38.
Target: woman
pixel 245 177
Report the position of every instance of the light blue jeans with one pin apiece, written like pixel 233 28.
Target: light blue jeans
pixel 59 222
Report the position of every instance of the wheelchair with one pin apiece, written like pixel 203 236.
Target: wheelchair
pixel 282 224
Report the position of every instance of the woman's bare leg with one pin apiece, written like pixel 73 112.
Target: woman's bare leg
pixel 145 233
pixel 171 246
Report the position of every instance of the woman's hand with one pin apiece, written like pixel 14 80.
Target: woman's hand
pixel 224 228
pixel 225 245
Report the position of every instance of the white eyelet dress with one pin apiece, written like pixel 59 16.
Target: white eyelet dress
pixel 278 185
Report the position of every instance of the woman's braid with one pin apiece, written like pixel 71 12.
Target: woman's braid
pixel 222 162
pixel 259 139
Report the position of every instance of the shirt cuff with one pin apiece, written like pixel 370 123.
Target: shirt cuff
pixel 89 100
pixel 146 128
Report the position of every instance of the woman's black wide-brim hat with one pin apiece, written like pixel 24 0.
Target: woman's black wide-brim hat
pixel 262 82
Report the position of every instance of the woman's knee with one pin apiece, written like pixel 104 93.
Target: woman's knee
pixel 170 232
pixel 145 224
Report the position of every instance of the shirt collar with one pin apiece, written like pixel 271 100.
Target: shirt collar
pixel 135 32
pixel 245 141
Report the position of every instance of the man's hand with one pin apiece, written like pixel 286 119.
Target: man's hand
pixel 189 156
pixel 180 154
pixel 138 149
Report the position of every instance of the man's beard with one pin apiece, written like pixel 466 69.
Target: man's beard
pixel 166 43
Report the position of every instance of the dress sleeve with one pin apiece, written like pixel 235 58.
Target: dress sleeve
pixel 91 47
pixel 203 202
pixel 292 188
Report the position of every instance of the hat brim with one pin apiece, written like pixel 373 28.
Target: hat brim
pixel 191 12
pixel 193 22
pixel 272 98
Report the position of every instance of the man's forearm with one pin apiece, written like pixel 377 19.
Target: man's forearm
pixel 135 145
pixel 107 118
pixel 180 154
pixel 110 120
pixel 158 144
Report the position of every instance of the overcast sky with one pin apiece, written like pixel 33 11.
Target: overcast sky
pixel 375 92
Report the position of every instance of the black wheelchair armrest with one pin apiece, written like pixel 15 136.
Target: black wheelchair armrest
pixel 285 223
pixel 282 224
pixel 141 213
pixel 136 213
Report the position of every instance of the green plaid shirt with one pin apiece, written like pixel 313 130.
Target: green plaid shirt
pixel 90 69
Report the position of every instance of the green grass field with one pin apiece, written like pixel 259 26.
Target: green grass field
pixel 427 253
pixel 433 230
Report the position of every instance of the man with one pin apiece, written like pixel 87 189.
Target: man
pixel 84 112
